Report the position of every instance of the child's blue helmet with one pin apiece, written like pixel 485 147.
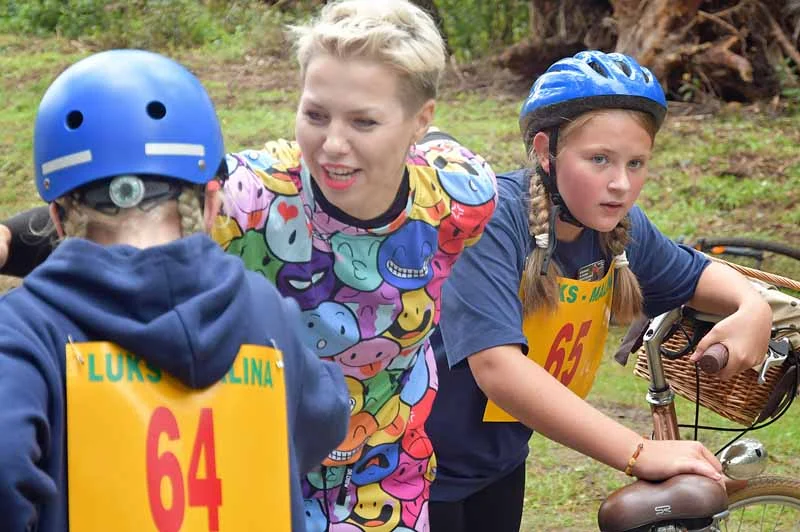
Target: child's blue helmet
pixel 125 112
pixel 590 80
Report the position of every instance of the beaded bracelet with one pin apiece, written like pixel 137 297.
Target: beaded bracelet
pixel 632 461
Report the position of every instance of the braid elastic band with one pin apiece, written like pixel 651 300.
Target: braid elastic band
pixel 632 461
pixel 542 240
pixel 621 260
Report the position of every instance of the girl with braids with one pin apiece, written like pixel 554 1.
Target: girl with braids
pixel 526 311
pixel 139 350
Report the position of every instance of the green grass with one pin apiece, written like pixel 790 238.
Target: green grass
pixel 729 174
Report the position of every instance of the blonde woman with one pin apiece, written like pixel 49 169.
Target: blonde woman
pixel 361 226
pixel 360 223
pixel 525 312
pixel 139 353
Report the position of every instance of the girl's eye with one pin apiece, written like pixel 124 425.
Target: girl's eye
pixel 365 123
pixel 636 163
pixel 599 159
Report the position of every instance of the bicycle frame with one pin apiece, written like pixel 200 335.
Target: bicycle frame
pixel 659 394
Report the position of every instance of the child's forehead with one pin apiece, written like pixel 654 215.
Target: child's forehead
pixel 607 123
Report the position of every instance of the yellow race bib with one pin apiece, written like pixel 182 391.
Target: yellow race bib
pixel 146 453
pixel 569 342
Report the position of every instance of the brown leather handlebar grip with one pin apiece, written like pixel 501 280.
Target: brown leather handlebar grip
pixel 714 359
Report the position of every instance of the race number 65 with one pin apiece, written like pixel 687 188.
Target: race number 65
pixel 165 466
pixel 556 357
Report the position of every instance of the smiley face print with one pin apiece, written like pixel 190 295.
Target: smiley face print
pixel 253 250
pixel 431 204
pixel 309 283
pixel 375 310
pixel 288 230
pixel 356 260
pixel 330 329
pixel 247 196
pixel 415 321
pixel 405 256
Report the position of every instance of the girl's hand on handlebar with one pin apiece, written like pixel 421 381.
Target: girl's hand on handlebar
pixel 661 459
pixel 746 335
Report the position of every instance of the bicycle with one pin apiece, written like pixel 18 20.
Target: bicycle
pixel 749 252
pixel 692 503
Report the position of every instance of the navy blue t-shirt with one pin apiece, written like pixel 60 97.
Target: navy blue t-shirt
pixel 481 309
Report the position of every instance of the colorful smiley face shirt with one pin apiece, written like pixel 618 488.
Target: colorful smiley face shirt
pixel 369 292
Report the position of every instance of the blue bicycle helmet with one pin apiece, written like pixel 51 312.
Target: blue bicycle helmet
pixel 125 112
pixel 590 80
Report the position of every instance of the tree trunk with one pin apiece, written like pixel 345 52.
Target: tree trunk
pixel 655 31
pixel 728 49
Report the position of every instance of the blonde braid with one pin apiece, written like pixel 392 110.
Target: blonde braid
pixel 627 300
pixel 538 291
pixel 190 212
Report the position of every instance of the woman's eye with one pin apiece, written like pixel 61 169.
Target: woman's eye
pixel 315 116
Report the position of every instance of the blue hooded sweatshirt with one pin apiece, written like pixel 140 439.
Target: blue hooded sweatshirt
pixel 188 299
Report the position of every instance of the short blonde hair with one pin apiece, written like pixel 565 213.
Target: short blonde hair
pixel 395 33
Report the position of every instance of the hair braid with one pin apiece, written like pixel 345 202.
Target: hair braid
pixel 190 212
pixel 538 291
pixel 627 297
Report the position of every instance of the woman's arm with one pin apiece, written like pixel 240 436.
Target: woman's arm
pixel 526 391
pixel 746 330
pixel 21 247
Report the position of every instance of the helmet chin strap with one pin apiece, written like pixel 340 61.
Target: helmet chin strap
pixel 559 209
pixel 550 185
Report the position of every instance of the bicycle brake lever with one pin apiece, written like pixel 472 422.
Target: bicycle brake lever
pixel 777 353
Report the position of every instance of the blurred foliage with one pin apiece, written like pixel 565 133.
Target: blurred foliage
pixel 475 28
pixel 154 24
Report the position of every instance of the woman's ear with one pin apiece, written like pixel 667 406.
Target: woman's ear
pixel 424 119
pixel 56 214
pixel 541 150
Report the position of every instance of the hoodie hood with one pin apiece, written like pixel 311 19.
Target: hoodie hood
pixel 179 306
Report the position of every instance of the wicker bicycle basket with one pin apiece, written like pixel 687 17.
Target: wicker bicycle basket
pixel 740 399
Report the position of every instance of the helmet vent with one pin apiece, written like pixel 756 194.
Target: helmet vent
pixel 156 110
pixel 647 77
pixel 624 67
pixel 74 119
pixel 597 67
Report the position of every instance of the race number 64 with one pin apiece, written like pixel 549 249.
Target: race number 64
pixel 558 364
pixel 165 466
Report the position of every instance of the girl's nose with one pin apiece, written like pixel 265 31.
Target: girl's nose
pixel 621 182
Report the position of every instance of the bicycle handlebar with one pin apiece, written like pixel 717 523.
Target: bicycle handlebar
pixel 714 359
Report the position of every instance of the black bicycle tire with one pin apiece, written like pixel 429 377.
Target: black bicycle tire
pixel 751 243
